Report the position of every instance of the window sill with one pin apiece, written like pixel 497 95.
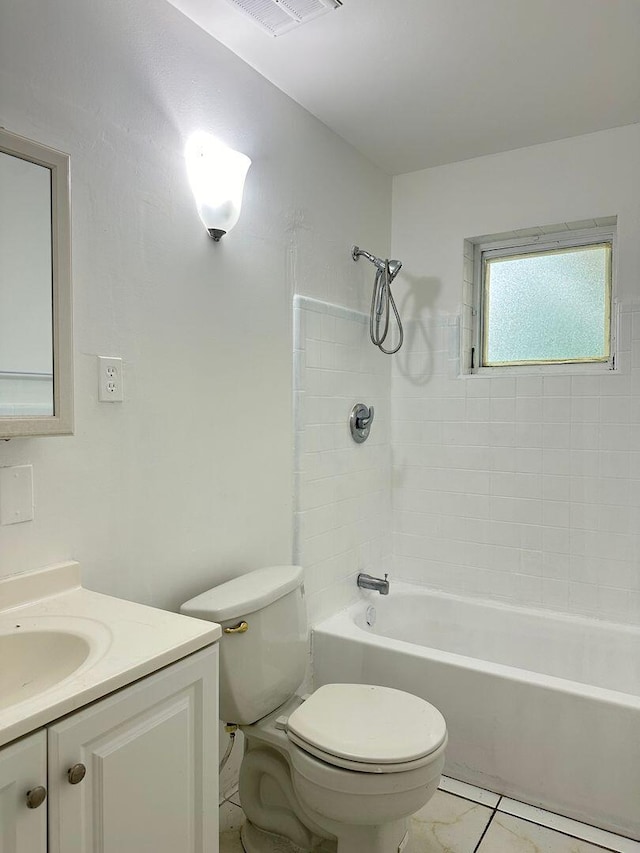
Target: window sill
pixel 543 370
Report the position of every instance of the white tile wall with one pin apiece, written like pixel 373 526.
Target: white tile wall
pixel 342 489
pixel 524 489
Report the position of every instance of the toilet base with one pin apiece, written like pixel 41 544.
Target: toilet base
pixel 388 838
pixel 256 840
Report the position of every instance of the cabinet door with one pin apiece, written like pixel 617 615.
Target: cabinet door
pixel 23 767
pixel 151 758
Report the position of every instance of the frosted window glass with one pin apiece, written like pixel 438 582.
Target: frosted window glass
pixel 551 306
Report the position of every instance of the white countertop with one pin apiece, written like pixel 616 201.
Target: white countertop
pixel 127 641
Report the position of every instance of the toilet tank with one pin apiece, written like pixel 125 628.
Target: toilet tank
pixel 260 666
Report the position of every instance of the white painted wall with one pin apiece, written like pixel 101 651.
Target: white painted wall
pixel 189 481
pixel 523 489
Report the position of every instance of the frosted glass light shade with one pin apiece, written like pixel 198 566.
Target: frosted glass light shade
pixel 216 175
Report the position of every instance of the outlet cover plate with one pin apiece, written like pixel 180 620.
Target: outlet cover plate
pixel 16 494
pixel 110 388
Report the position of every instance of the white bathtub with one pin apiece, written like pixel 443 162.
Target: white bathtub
pixel 541 707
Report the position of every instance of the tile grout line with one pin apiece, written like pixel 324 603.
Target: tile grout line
pixel 489 822
pixel 229 800
pixel 469 799
pixel 571 820
pixel 583 837
pixel 567 834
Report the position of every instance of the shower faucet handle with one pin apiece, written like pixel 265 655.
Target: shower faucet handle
pixel 364 418
pixel 360 422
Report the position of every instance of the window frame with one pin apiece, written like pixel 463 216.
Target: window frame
pixel 486 248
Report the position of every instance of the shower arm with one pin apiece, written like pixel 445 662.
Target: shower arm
pixel 357 251
pixel 389 268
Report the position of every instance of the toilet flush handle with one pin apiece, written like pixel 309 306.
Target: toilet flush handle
pixel 240 628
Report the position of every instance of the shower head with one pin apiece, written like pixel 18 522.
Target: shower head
pixel 394 269
pixel 394 266
pixel 382 301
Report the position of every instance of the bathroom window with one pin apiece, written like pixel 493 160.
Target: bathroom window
pixel 546 300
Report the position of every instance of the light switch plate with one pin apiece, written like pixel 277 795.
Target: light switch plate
pixel 16 494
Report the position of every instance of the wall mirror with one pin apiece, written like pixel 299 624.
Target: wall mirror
pixel 36 361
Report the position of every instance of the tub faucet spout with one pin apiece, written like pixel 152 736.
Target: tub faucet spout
pixel 369 582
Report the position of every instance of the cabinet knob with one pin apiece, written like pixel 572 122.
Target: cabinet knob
pixel 76 773
pixel 36 797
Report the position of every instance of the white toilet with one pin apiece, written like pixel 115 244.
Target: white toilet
pixel 346 765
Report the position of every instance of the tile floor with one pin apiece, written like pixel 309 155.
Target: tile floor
pixel 461 818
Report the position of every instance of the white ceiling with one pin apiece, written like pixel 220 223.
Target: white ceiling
pixel 418 83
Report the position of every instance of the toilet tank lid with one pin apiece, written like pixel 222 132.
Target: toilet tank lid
pixel 244 594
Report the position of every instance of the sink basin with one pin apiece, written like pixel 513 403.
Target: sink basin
pixel 63 647
pixel 32 661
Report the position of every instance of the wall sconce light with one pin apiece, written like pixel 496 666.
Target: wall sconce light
pixel 216 174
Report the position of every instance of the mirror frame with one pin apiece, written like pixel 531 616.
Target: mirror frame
pixel 61 422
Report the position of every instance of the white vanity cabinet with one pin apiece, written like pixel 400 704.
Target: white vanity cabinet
pixel 135 772
pixel 23 769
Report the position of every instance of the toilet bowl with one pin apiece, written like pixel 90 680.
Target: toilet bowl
pixel 340 769
pixel 363 759
pixel 355 761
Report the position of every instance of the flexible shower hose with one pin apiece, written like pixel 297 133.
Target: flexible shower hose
pixel 382 302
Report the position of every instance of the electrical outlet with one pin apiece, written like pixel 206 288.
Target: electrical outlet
pixel 110 379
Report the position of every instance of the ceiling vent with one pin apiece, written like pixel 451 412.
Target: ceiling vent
pixel 280 16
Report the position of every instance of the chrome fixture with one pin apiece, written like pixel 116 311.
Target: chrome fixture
pixel 382 301
pixel 369 582
pixel 216 174
pixel 360 422
pixel 394 266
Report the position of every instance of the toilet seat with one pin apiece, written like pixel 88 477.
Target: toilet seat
pixel 367 728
